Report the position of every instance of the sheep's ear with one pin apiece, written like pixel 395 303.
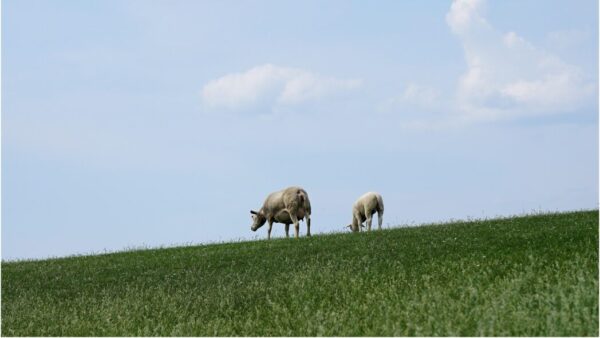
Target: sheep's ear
pixel 253 212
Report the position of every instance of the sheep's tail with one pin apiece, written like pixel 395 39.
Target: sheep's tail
pixel 304 201
pixel 380 204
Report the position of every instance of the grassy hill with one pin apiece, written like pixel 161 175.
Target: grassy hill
pixel 532 275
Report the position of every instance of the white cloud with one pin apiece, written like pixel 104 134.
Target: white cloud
pixel 272 85
pixel 506 75
pixel 415 96
pixel 464 14
pixel 420 95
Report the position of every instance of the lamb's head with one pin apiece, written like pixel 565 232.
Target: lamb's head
pixel 354 229
pixel 258 220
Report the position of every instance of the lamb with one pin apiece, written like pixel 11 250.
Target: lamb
pixel 364 208
pixel 286 206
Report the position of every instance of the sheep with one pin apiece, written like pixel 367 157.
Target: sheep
pixel 364 208
pixel 286 206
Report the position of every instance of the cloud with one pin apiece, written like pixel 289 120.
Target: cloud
pixel 415 97
pixel 506 75
pixel 272 85
pixel 464 14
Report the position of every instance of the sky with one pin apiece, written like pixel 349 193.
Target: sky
pixel 133 124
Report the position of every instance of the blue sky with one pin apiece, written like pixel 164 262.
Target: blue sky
pixel 148 123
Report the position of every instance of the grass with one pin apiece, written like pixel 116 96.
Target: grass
pixel 525 276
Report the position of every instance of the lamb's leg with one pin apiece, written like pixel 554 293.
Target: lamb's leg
pixel 307 225
pixel 356 224
pixel 369 219
pixel 380 218
pixel 287 230
pixel 270 228
pixel 296 224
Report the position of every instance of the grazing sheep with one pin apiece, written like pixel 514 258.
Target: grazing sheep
pixel 286 206
pixel 364 208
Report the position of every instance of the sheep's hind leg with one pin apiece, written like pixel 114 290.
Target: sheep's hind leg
pixel 296 224
pixel 369 219
pixel 287 230
pixel 307 225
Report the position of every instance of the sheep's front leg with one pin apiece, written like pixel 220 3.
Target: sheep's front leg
pixel 356 224
pixel 287 230
pixel 270 228
pixel 307 225
pixel 379 219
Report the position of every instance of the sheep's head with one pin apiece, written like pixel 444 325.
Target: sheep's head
pixel 258 220
pixel 354 229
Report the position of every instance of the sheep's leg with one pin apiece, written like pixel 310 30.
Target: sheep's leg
pixel 307 225
pixel 369 216
pixel 356 224
pixel 296 224
pixel 287 230
pixel 270 228
pixel 380 218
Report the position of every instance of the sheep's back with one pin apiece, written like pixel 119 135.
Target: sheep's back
pixel 274 203
pixel 292 198
pixel 369 201
pixel 295 197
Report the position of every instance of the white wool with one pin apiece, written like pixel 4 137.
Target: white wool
pixel 287 206
pixel 363 210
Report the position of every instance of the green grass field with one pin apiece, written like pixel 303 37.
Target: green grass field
pixel 533 275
